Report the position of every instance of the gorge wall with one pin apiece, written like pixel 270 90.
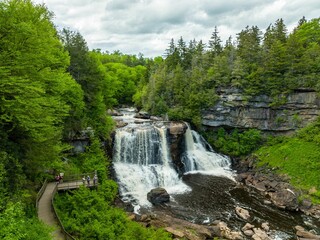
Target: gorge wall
pixel 233 110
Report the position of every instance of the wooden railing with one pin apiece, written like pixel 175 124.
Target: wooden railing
pixel 74 181
pixel 79 176
pixel 66 234
pixel 41 191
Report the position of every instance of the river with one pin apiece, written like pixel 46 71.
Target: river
pixel 207 190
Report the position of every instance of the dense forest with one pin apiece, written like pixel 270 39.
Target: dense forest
pixel 274 63
pixel 53 88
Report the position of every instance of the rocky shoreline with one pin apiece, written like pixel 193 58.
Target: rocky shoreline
pixel 276 190
pixel 274 187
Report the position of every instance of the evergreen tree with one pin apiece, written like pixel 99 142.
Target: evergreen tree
pixel 215 47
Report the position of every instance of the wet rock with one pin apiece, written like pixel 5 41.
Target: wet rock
pixel 120 124
pixel 158 196
pixel 302 233
pixel 246 227
pixel 222 230
pixel 285 199
pixel 113 112
pixel 259 234
pixel 265 226
pixel 244 214
pixel 266 202
pixel 142 115
pixel 154 118
pixel 248 233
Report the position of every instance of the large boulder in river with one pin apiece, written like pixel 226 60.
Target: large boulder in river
pixel 158 195
pixel 285 199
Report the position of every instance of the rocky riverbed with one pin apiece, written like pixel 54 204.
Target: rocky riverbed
pixel 222 208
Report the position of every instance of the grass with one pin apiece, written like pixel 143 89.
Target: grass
pixel 299 159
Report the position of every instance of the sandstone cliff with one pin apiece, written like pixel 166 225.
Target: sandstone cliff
pixel 233 110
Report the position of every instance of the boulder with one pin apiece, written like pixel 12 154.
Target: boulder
pixel 285 199
pixel 158 196
pixel 113 112
pixel 302 233
pixel 154 118
pixel 120 124
pixel 244 214
pixel 265 226
pixel 142 115
pixel 259 234
pixel 222 230
pixel 248 226
pixel 248 233
pixel 306 204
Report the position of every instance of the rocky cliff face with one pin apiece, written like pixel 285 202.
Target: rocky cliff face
pixel 233 110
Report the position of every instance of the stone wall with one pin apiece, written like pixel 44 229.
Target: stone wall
pixel 234 111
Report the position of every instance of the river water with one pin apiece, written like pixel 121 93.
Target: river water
pixel 207 190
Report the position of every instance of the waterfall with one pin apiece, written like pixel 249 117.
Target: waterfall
pixel 200 157
pixel 142 162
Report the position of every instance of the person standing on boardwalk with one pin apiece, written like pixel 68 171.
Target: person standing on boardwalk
pixel 84 180
pixel 95 179
pixel 88 180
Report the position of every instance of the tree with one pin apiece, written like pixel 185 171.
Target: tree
pixel 36 93
pixel 215 47
pixel 87 69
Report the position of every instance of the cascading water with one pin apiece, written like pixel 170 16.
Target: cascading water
pixel 200 157
pixel 141 162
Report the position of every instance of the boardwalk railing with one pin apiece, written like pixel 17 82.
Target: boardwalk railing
pixel 66 234
pixel 40 193
pixel 79 176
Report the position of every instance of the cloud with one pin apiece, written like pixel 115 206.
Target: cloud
pixel 146 26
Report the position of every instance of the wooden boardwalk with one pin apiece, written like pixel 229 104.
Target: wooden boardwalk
pixel 46 212
pixel 45 209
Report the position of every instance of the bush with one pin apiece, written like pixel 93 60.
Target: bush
pixel 89 215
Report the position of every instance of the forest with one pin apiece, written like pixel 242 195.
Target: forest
pixel 53 87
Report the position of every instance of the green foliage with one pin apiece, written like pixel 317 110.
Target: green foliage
pixel 89 215
pixel 235 143
pixel 298 157
pixel 92 159
pixel 15 225
pixel 274 64
pixel 36 93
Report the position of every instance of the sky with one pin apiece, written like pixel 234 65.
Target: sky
pixel 147 26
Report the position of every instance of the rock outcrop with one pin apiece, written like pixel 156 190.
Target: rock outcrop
pixel 176 140
pixel 234 110
pixel 158 195
pixel 277 190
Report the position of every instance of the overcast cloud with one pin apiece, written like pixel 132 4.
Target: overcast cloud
pixel 146 26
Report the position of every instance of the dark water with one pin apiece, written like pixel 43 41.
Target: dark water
pixel 215 198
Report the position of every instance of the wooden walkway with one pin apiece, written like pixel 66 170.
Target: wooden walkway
pixel 46 212
pixel 45 209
